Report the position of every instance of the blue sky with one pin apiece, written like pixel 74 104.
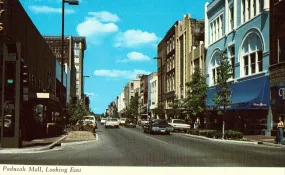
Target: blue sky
pixel 121 37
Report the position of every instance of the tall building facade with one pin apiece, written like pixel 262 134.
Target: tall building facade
pixel 23 49
pixel 277 62
pixel 152 93
pixel 189 33
pixel 74 48
pixel 240 29
pixel 79 45
pixel 143 100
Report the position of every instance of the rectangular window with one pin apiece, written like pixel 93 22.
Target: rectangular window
pixel 253 63
pixel 221 26
pixel 259 61
pixel 196 63
pixel 245 59
pixel 232 59
pixel 243 11
pixel 254 8
pixel 248 10
pixel 211 33
pixel 259 6
pixel 218 29
pixel 76 52
pixel 214 75
pixel 281 49
pixel 76 60
pixel 231 18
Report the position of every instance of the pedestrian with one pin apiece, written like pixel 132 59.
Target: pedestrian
pixel 197 123
pixel 280 128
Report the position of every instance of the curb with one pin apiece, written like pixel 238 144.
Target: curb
pixel 31 150
pixel 218 140
pixel 80 142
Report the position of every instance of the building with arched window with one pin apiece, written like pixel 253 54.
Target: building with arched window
pixel 239 29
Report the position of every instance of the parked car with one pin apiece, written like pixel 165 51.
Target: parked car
pixel 112 122
pixel 122 121
pixel 142 122
pixel 157 126
pixel 103 120
pixel 91 118
pixel 131 123
pixel 179 125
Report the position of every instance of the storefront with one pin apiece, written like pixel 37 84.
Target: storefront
pixel 249 106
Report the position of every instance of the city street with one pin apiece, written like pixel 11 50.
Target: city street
pixel 132 147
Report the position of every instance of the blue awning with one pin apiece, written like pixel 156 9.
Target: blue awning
pixel 248 94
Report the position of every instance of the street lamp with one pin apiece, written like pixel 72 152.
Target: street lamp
pixel 70 2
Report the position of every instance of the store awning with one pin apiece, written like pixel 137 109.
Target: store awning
pixel 247 94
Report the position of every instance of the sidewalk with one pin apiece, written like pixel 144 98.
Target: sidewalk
pixel 252 139
pixel 38 145
pixel 261 139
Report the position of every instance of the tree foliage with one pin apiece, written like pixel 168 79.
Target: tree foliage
pixel 222 97
pixel 176 109
pixel 195 100
pixel 115 112
pixel 77 111
pixel 133 109
pixel 160 111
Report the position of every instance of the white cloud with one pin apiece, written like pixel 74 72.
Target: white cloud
pixel 127 74
pixel 105 16
pixel 134 56
pixel 46 9
pixel 90 94
pixel 133 38
pixel 95 25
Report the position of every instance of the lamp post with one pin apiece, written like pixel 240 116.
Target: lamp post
pixel 70 2
pixel 160 58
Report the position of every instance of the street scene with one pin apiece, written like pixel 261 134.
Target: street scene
pixel 127 146
pixel 130 83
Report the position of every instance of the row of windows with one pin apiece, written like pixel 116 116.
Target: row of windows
pixel 216 29
pixel 170 44
pixel 170 63
pixel 251 59
pixel 249 9
pixel 170 83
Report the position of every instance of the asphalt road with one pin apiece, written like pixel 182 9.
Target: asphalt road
pixel 132 147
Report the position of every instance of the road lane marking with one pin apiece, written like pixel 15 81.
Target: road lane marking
pixel 147 136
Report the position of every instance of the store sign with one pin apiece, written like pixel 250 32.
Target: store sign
pixel 281 93
pixel 2 11
pixel 259 105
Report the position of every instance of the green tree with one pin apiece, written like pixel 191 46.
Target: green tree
pixel 195 100
pixel 222 97
pixel 77 111
pixel 159 110
pixel 176 109
pixel 133 107
pixel 115 112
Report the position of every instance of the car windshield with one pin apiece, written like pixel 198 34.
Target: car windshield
pixel 113 119
pixel 123 119
pixel 160 122
pixel 179 121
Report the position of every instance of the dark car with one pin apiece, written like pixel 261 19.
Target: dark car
pixel 157 126
pixel 130 123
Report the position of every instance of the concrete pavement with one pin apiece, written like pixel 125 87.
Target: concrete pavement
pixel 73 138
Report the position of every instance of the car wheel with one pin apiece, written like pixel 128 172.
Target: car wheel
pixel 144 131
pixel 168 133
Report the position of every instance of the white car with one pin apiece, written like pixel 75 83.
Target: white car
pixel 103 120
pixel 179 125
pixel 122 121
pixel 112 122
pixel 91 118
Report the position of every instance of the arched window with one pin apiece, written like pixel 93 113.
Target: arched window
pixel 251 55
pixel 214 64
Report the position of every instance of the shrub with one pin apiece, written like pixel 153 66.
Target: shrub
pixel 230 134
pixel 194 131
